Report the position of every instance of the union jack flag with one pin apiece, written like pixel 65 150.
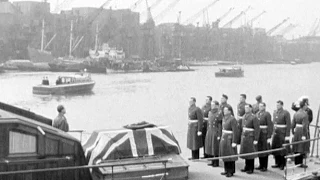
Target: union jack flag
pixel 126 143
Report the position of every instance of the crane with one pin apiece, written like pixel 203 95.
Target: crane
pixel 143 14
pixel 135 5
pixel 314 28
pixel 216 23
pixel 287 29
pixel 155 4
pixel 95 14
pixel 197 15
pixel 166 10
pixel 277 26
pixel 255 18
pixel 149 16
pixel 179 17
pixel 229 24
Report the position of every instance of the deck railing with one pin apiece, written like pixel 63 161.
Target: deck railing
pixel 112 165
pixel 263 152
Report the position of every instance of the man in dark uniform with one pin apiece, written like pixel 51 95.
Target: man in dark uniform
pixel 205 109
pixel 224 104
pixel 255 107
pixel 266 129
pixel 228 144
pixel 281 134
pixel 214 133
pixel 194 139
pixel 60 122
pixel 249 138
pixel 241 112
pixel 296 106
pixel 300 124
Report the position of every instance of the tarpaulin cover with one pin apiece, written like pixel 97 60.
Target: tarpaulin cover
pixel 105 145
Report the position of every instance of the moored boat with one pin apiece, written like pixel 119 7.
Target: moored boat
pixel 234 71
pixel 31 143
pixel 121 66
pixel 78 83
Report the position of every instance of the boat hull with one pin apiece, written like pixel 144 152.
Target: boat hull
pixel 120 71
pixel 63 89
pixel 54 67
pixel 230 74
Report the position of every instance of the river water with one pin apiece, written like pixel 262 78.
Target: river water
pixel 162 98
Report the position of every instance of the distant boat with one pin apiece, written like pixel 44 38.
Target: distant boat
pixel 78 83
pixel 293 62
pixel 66 66
pixel 234 71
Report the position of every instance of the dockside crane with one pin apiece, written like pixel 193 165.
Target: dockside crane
pixel 191 19
pixel 229 24
pixel 287 29
pixel 277 26
pixel 250 23
pixel 216 23
pixel 159 17
pixel 315 28
pixel 152 6
pixel 155 4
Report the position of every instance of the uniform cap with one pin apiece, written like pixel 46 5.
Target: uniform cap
pixel 225 96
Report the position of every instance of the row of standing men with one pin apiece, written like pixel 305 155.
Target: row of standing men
pixel 215 128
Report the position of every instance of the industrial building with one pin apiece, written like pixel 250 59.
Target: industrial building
pixel 23 22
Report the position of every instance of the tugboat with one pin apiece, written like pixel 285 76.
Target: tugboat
pixel 234 71
pixel 77 83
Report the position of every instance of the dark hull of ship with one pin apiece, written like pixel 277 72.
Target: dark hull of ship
pixel 63 89
pixel 66 68
pixel 2 69
pixel 120 71
pixel 96 69
pixel 230 74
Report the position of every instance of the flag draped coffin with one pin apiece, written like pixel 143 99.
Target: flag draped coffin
pixel 104 145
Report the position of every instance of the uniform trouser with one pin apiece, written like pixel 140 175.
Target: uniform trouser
pixel 195 154
pixel 298 159
pixel 214 162
pixel 280 161
pixel 249 165
pixel 204 132
pixel 230 167
pixel 263 161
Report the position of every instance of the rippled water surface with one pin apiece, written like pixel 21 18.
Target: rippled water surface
pixel 162 98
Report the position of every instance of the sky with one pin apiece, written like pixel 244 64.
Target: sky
pixel 301 12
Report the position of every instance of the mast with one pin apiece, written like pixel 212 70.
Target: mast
pixel 42 35
pixel 96 40
pixel 71 39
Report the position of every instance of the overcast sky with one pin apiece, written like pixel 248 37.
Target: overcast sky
pixel 301 12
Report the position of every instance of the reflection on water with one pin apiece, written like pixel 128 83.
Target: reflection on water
pixel 162 98
pixel 47 98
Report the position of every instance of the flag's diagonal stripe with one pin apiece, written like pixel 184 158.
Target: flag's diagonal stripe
pixel 149 141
